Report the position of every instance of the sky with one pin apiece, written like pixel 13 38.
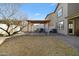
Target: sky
pixel 37 11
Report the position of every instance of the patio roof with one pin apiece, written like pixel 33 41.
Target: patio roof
pixel 73 16
pixel 39 21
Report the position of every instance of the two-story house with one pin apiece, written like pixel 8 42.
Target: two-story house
pixel 66 18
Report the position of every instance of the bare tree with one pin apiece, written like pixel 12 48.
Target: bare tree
pixel 9 15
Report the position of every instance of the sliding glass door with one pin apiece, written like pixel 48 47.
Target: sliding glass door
pixel 71 27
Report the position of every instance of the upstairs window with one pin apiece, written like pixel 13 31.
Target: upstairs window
pixel 60 12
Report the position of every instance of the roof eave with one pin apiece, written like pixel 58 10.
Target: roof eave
pixel 56 7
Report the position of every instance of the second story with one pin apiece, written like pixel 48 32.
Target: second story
pixel 61 11
pixel 64 10
pixel 73 8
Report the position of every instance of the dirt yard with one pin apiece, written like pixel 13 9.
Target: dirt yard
pixel 36 46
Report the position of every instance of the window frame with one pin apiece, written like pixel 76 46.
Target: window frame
pixel 61 26
pixel 59 15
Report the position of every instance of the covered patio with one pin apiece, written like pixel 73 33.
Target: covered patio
pixel 32 22
pixel 73 23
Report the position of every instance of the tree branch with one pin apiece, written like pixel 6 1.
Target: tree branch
pixel 5 31
pixel 14 28
pixel 19 30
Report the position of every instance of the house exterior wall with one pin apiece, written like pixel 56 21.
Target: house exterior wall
pixel 52 23
pixel 73 8
pixel 62 14
pixel 24 23
pixel 24 29
pixel 64 7
pixel 68 9
pixel 76 25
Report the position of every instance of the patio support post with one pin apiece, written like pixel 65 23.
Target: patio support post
pixel 44 25
pixel 28 27
pixel 31 27
pixel 48 26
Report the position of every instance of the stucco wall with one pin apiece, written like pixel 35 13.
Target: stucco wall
pixel 77 24
pixel 52 23
pixel 73 8
pixel 62 18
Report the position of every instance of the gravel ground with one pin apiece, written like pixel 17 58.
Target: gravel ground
pixel 37 45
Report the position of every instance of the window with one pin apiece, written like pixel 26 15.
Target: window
pixel 70 24
pixel 61 25
pixel 59 13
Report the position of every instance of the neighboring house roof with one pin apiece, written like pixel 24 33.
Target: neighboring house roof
pixel 49 14
pixel 56 7
pixel 52 12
